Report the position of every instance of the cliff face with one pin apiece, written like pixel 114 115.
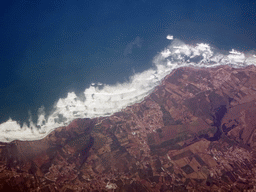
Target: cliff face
pixel 196 131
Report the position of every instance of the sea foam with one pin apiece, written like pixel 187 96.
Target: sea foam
pixel 104 100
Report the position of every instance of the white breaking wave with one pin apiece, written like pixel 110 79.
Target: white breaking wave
pixel 169 37
pixel 111 99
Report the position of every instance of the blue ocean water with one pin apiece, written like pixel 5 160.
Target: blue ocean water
pixel 49 48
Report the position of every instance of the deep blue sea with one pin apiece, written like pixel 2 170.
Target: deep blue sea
pixel 49 48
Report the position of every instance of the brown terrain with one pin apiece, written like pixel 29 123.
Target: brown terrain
pixel 194 132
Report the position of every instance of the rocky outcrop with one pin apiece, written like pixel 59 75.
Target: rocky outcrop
pixel 196 131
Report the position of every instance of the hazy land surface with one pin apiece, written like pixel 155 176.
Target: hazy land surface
pixel 195 131
pixel 127 95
